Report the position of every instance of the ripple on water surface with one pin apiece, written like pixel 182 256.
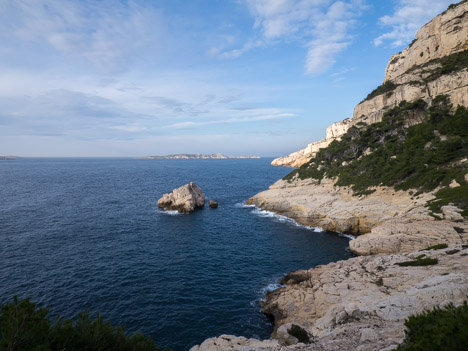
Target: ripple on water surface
pixel 86 234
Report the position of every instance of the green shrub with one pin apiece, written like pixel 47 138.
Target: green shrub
pixel 437 247
pixel 419 262
pixel 386 87
pixel 442 329
pixel 451 252
pixel 25 327
pixel 449 64
pixel 379 282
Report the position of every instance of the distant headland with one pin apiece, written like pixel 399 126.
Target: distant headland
pixel 3 158
pixel 197 156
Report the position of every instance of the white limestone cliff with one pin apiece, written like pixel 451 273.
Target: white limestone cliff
pixel 444 35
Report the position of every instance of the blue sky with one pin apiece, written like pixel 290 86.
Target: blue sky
pixel 141 77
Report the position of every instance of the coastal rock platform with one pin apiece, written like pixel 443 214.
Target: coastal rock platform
pixel 392 221
pixel 329 303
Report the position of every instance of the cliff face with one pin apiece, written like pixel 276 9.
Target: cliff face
pixel 421 71
pixel 444 35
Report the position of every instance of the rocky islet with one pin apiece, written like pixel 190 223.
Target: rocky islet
pixel 184 199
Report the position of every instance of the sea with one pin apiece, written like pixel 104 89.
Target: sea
pixel 82 234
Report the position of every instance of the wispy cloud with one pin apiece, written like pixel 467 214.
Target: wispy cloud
pixel 340 75
pixel 104 33
pixel 408 17
pixel 255 116
pixel 322 26
pixel 31 104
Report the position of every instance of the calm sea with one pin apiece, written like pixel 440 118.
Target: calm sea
pixel 86 234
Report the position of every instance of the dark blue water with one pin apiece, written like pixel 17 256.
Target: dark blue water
pixel 86 234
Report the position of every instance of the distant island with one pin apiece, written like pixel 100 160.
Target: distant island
pixel 3 158
pixel 197 156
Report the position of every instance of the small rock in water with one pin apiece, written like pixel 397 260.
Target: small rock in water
pixel 213 204
pixel 184 199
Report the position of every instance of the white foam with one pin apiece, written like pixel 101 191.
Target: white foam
pixel 242 205
pixel 271 287
pixel 170 213
pixel 282 219
pixel 349 236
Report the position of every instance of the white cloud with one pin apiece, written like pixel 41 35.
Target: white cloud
pixel 46 105
pixel 408 17
pixel 256 115
pixel 104 33
pixel 323 26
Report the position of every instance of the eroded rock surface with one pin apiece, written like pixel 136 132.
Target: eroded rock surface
pixel 392 221
pixel 361 303
pixel 184 199
pixel 400 235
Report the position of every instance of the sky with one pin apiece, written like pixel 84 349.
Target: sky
pixel 135 78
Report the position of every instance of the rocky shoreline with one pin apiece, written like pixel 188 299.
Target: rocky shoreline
pixel 329 304
pixel 362 303
pixel 408 261
pixel 387 221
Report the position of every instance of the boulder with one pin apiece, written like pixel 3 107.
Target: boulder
pixel 213 204
pixel 184 199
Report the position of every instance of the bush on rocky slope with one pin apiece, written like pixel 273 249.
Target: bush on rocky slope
pixel 414 147
pixel 440 329
pixel 23 326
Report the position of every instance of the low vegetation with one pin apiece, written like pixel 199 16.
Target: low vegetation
pixel 23 327
pixel 447 65
pixel 441 329
pixel 426 261
pixel 452 252
pixel 386 87
pixel 437 247
pixel 416 146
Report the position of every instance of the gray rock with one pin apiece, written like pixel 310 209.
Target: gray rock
pixel 184 199
pixel 283 336
pixel 368 334
pixel 352 310
pixel 213 204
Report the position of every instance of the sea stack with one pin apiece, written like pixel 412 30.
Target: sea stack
pixel 184 199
